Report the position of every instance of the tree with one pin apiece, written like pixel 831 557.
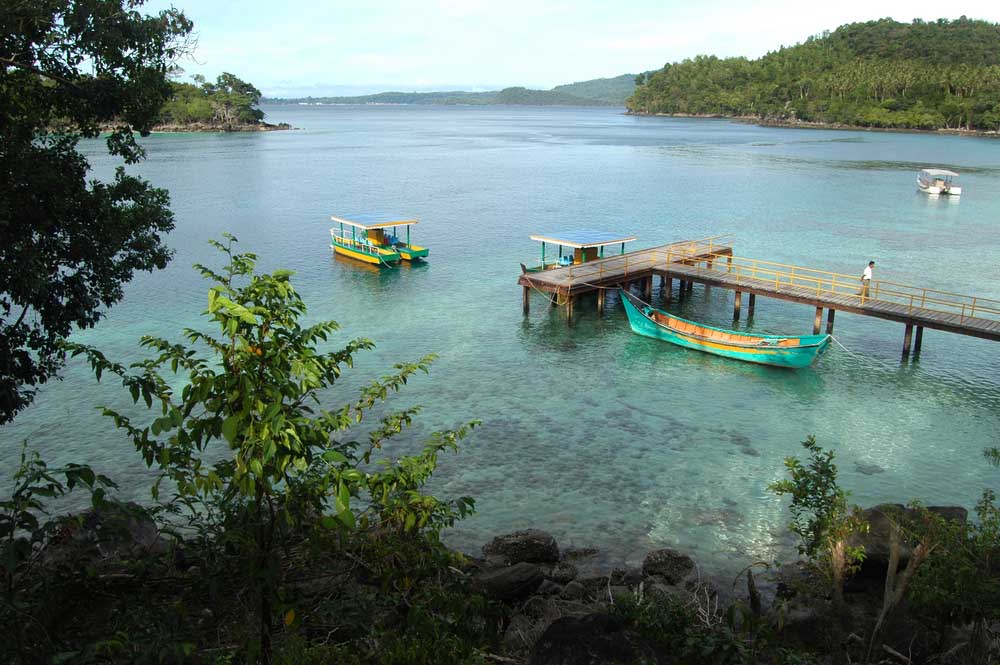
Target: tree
pixel 257 395
pixel 68 69
pixel 234 100
pixel 821 515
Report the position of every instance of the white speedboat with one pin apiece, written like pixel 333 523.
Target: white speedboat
pixel 938 181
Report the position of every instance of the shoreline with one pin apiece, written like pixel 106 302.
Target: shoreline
pixel 810 124
pixel 209 128
pixel 206 127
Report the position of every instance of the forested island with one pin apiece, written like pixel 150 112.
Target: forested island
pixel 229 104
pixel 595 92
pixel 882 74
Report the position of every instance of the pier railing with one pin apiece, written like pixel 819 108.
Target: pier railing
pixel 707 256
pixel 627 266
pixel 826 284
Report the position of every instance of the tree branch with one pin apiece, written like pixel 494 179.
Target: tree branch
pixel 10 62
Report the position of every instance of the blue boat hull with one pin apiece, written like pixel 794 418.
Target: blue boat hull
pixel 776 350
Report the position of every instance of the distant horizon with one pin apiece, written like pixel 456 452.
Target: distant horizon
pixel 337 49
pixel 302 92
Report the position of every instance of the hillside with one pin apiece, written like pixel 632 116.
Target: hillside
pixel 596 92
pixel 614 90
pixel 942 74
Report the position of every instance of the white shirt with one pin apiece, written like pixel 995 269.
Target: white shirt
pixel 868 273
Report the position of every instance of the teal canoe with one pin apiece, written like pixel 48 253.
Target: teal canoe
pixel 777 350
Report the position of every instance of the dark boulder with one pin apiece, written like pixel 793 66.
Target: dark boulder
pixel 802 625
pixel 626 576
pixel 573 591
pixel 668 564
pixel 880 519
pixel 594 639
pixel 560 573
pixel 531 545
pixel 596 587
pixel 113 531
pixel 513 582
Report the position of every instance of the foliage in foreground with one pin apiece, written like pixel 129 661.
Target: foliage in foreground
pixel 68 244
pixel 255 463
pixel 821 516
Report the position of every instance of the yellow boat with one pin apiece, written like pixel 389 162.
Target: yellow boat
pixel 373 239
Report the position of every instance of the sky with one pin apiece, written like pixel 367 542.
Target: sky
pixel 340 47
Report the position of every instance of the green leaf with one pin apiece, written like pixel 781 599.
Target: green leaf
pixel 230 427
pixel 334 457
pixel 346 518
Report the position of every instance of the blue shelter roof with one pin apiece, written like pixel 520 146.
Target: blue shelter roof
pixel 373 220
pixel 583 238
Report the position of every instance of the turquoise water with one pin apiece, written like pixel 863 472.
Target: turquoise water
pixel 601 436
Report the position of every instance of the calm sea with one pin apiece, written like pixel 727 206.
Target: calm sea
pixel 598 435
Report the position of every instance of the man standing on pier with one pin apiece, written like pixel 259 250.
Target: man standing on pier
pixel 866 279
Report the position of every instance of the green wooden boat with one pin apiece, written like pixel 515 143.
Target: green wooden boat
pixel 777 350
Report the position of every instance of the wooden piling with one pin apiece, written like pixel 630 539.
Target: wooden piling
pixel 600 301
pixel 818 320
pixel 681 289
pixel 569 308
pixel 667 288
pixel 918 340
pixel 736 306
pixel 829 321
pixel 751 303
pixel 526 304
pixel 647 289
pixel 690 287
pixel 907 336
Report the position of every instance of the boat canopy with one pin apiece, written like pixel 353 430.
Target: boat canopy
pixel 936 173
pixel 583 238
pixel 373 220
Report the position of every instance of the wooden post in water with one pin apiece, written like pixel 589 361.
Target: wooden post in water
pixel 907 336
pixel 751 303
pixel 600 301
pixel 681 289
pixel 736 306
pixel 690 287
pixel 667 288
pixel 569 308
pixel 818 320
pixel 526 305
pixel 829 321
pixel 647 289
pixel 918 340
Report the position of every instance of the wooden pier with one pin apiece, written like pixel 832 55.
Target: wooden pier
pixel 712 263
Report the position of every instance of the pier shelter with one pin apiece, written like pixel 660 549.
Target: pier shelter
pixel 587 245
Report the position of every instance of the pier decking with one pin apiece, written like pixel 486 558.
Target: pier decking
pixel 712 263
